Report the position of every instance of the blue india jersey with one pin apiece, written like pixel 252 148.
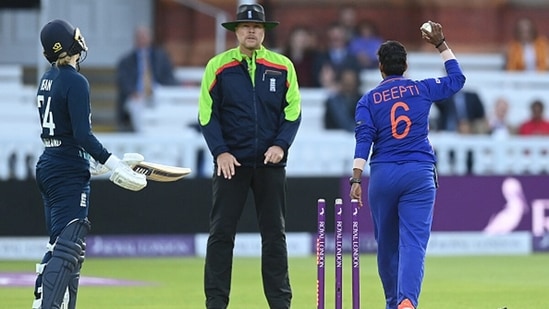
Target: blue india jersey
pixel 394 116
pixel 63 102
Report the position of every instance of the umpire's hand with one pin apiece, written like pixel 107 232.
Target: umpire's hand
pixel 226 163
pixel 273 155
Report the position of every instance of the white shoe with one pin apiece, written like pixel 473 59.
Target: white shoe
pixel 37 303
pixel 65 303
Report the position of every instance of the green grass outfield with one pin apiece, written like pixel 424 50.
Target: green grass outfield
pixel 483 282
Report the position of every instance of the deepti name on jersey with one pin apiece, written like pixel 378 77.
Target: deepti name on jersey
pixel 395 93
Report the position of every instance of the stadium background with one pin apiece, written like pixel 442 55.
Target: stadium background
pixel 188 31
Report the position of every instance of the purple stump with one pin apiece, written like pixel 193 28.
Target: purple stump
pixel 338 253
pixel 320 253
pixel 355 247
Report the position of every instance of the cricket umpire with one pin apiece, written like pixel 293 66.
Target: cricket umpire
pixel 63 170
pixel 249 114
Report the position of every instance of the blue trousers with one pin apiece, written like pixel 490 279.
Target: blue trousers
pixel 65 188
pixel 402 197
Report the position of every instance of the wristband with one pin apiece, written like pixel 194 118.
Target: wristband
pixel 359 163
pixel 354 180
pixel 447 54
pixel 112 162
pixel 440 43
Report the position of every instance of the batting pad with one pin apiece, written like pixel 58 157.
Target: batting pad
pixel 67 256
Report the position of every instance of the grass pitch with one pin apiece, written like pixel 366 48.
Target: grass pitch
pixel 483 282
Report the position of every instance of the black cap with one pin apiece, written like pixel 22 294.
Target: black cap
pixel 250 13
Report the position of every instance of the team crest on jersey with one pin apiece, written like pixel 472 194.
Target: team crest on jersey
pixel 57 47
pixel 272 85
pixel 83 200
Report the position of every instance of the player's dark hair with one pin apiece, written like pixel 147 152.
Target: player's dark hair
pixel 392 57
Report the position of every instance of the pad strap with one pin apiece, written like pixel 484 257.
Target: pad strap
pixel 39 270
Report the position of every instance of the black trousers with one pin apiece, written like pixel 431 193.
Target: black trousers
pixel 268 186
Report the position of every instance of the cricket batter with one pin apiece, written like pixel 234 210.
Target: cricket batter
pixel 394 118
pixel 63 169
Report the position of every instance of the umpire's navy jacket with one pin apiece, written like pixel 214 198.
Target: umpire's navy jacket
pixel 248 104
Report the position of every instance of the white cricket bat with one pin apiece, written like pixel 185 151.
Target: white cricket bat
pixel 160 172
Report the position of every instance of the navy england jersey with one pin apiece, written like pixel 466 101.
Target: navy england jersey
pixel 63 101
pixel 394 116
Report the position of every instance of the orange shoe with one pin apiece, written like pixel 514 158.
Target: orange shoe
pixel 406 304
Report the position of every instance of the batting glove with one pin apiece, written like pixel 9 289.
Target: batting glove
pixel 132 158
pixel 97 168
pixel 123 176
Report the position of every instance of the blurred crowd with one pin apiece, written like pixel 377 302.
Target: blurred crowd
pixel 335 59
